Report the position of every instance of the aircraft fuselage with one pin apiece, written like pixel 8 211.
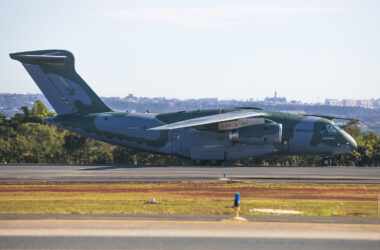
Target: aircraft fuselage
pixel 298 135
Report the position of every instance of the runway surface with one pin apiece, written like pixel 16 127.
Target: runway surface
pixel 24 173
pixel 175 243
pixel 103 234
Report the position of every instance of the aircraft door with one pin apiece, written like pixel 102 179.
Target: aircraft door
pixel 302 135
pixel 175 141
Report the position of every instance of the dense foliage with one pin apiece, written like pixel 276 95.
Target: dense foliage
pixel 26 138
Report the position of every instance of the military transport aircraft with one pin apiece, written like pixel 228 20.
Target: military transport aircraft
pixel 218 135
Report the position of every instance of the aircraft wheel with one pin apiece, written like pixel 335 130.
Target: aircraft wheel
pixel 200 162
pixel 326 162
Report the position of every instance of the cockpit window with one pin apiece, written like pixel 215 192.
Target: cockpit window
pixel 328 130
pixel 331 129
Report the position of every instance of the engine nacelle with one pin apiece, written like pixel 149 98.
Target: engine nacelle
pixel 268 133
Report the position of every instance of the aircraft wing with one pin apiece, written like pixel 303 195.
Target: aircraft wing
pixel 330 117
pixel 211 119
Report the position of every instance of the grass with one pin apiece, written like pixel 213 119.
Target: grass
pixel 187 198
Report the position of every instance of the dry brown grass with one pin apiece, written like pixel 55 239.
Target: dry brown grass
pixel 193 198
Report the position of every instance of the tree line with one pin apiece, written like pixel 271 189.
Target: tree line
pixel 26 138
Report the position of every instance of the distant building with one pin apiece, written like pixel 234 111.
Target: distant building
pixel 365 103
pixel 275 99
pixel 333 102
pixel 376 103
pixel 131 98
pixel 349 103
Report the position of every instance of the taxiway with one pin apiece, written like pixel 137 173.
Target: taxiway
pixel 54 173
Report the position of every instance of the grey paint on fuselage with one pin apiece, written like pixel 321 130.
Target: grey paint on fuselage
pixel 303 133
pixel 132 130
pixel 134 125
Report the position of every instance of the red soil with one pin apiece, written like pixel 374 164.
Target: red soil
pixel 210 190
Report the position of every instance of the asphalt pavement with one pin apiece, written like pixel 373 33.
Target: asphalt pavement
pixel 180 243
pixel 54 173
pixel 111 234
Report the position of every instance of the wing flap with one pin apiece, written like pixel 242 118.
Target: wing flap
pixel 210 119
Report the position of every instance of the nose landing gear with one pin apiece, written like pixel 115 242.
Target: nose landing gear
pixel 328 161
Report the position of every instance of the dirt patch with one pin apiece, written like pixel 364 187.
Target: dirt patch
pixel 275 211
pixel 210 190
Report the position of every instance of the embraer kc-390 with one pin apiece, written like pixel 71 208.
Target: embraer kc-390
pixel 201 135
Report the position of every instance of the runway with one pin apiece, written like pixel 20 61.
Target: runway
pixel 103 234
pixel 46 173
pixel 175 243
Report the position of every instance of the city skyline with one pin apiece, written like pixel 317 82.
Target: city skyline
pixel 275 99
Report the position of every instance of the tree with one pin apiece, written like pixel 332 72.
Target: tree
pixel 40 110
pixel 353 129
pixel 74 146
pixel 122 155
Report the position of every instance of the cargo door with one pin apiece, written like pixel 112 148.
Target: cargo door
pixel 175 141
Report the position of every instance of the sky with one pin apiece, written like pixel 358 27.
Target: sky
pixel 305 50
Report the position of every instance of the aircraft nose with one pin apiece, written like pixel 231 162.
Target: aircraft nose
pixel 350 140
pixel 353 143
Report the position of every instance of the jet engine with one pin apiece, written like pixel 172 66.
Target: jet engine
pixel 268 132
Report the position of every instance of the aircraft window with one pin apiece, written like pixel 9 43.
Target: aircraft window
pixel 331 129
pixel 328 130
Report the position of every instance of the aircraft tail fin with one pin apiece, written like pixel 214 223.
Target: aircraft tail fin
pixel 54 73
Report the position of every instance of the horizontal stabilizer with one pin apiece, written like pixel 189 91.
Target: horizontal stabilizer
pixel 54 73
pixel 38 59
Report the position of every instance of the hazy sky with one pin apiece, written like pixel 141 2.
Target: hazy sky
pixel 306 50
